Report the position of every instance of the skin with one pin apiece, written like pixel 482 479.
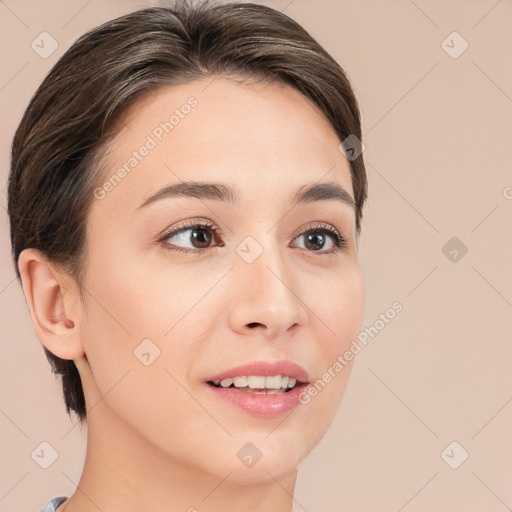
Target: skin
pixel 156 439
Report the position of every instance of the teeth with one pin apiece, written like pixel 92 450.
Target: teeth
pixel 225 383
pixel 258 382
pixel 255 382
pixel 273 382
pixel 240 382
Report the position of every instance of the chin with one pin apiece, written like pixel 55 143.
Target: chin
pixel 262 472
pixel 261 458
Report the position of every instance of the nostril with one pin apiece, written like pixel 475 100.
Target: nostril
pixel 253 324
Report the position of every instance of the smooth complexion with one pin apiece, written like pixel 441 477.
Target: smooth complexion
pixel 157 438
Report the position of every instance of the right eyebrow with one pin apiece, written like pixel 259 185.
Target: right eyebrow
pixel 197 189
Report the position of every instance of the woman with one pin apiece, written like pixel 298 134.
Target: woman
pixel 185 199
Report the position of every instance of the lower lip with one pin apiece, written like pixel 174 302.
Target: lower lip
pixel 260 404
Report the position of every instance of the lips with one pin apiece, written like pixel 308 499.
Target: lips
pixel 264 369
pixel 265 403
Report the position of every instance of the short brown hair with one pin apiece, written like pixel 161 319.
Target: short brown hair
pixel 57 148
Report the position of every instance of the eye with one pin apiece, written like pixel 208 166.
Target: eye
pixel 315 238
pixel 199 234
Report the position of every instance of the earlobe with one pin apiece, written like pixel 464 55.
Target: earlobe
pixel 51 299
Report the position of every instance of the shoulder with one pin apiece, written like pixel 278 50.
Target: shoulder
pixel 53 504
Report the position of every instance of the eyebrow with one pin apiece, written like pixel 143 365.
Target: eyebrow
pixel 308 193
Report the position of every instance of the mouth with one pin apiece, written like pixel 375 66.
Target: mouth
pixel 260 388
pixel 259 384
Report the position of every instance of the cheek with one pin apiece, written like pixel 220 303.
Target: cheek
pixel 141 318
pixel 342 316
pixel 342 306
pixel 128 316
pixel 140 298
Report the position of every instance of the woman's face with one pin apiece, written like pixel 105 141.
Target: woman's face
pixel 263 279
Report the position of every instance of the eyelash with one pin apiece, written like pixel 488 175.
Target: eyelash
pixel 339 241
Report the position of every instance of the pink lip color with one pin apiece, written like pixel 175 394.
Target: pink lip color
pixel 263 405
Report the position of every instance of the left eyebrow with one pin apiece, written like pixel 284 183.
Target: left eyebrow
pixel 220 192
pixel 323 192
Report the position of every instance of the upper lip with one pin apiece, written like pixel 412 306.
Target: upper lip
pixel 264 369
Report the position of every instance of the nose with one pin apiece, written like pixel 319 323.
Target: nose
pixel 266 300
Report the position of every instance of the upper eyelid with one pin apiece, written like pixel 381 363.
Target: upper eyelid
pixel 316 224
pixel 189 225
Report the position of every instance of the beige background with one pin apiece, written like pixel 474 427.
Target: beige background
pixel 438 153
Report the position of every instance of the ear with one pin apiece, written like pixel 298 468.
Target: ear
pixel 54 303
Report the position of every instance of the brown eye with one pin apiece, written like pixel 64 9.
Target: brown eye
pixel 320 235
pixel 200 238
pixel 196 237
pixel 315 240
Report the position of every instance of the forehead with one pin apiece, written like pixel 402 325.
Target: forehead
pixel 261 138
